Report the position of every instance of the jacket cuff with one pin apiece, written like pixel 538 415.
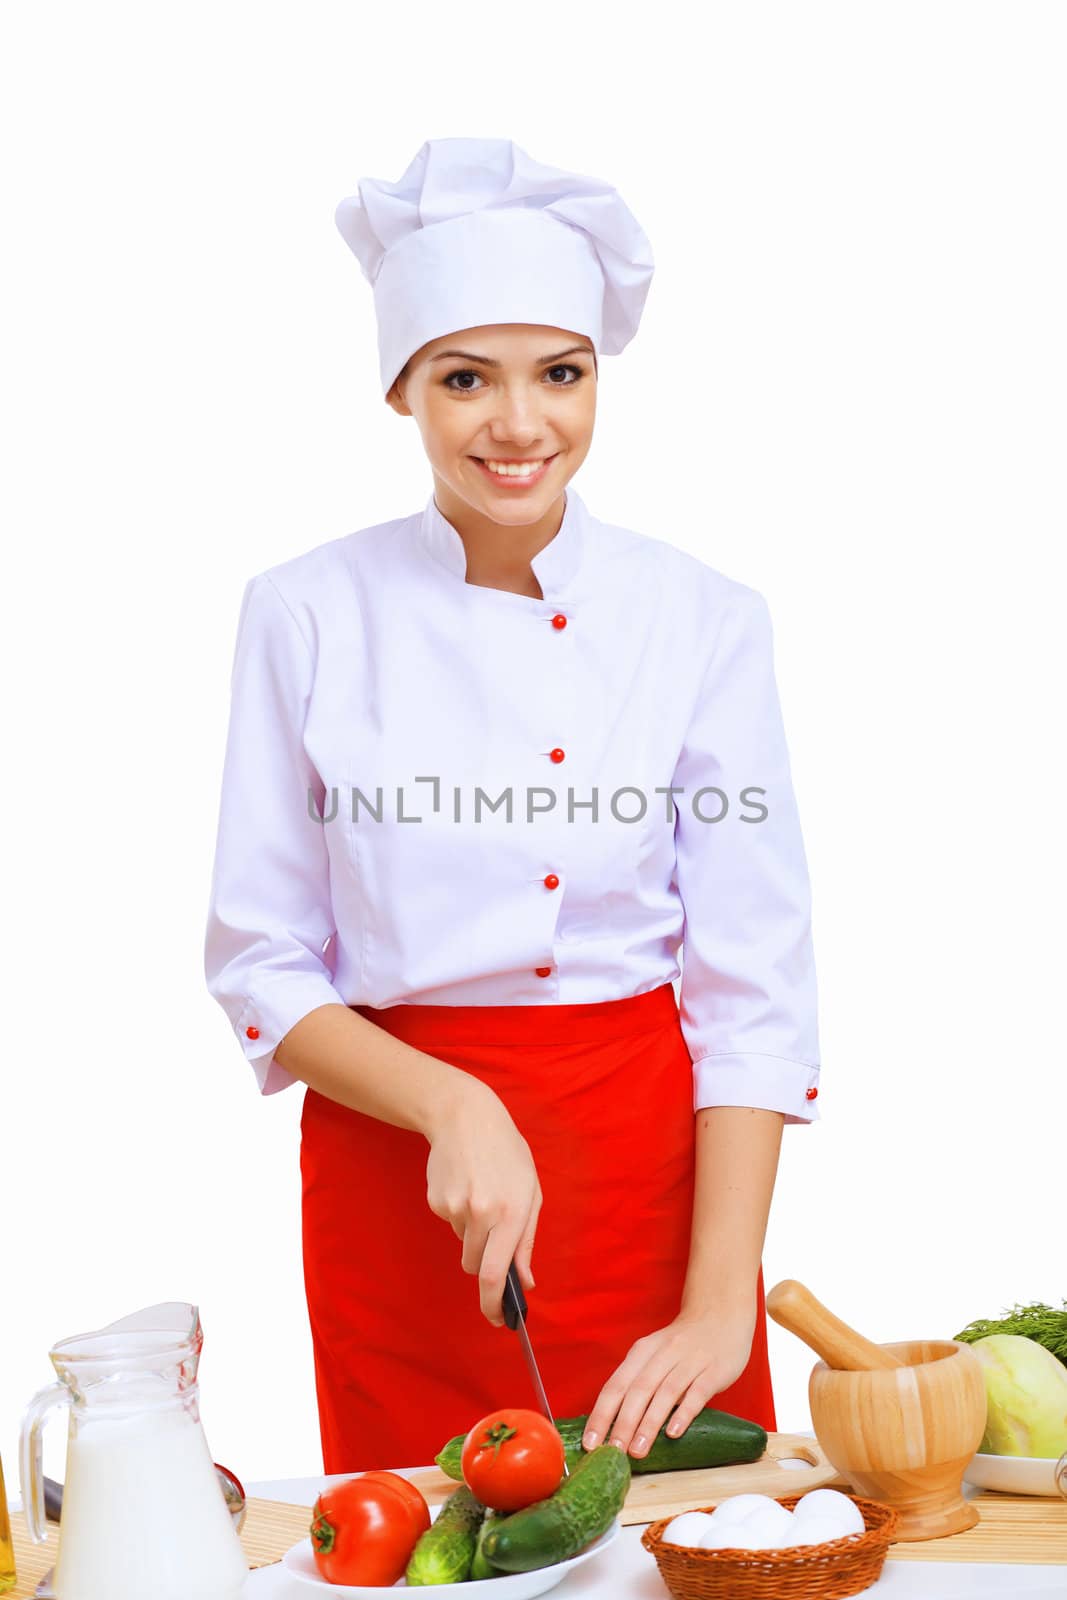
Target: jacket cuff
pixel 267 1016
pixel 770 1083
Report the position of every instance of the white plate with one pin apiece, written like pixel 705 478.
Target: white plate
pixel 1013 1474
pixel 299 1563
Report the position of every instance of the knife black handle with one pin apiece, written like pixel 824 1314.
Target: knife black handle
pixel 53 1500
pixel 514 1299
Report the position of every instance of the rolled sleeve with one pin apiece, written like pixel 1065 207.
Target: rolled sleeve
pixel 748 1003
pixel 269 916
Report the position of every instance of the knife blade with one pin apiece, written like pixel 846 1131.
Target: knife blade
pixel 515 1313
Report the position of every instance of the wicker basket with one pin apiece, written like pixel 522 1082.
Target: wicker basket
pixel 817 1572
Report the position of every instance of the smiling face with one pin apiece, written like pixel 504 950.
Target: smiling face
pixel 506 393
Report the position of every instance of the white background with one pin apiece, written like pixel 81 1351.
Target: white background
pixel 847 391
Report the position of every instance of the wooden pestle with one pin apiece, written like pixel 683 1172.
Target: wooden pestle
pixel 840 1346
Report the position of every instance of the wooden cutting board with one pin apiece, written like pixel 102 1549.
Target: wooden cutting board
pixel 664 1494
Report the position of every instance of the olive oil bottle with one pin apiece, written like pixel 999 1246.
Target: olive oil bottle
pixel 7 1549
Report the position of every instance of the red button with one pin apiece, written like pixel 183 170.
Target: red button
pixel 552 882
pixel 559 620
pixel 812 1094
pixel 557 755
pixel 543 972
pixel 253 1033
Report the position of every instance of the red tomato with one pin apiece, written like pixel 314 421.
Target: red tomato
pixel 416 1500
pixel 363 1532
pixel 512 1458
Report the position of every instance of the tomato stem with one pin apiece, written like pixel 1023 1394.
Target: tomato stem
pixel 497 1435
pixel 323 1534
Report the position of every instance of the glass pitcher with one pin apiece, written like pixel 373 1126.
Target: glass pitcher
pixel 142 1513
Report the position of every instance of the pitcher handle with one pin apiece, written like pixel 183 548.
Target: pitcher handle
pixel 31 1477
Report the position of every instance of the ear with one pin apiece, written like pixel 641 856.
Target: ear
pixel 396 400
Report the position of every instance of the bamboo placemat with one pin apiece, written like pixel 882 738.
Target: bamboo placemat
pixel 1022 1528
pixel 1013 1528
pixel 1026 1528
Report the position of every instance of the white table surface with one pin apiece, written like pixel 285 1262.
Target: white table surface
pixel 626 1571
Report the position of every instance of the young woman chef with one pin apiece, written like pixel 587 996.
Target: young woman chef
pixel 489 766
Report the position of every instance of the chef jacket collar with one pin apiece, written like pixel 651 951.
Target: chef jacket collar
pixel 554 566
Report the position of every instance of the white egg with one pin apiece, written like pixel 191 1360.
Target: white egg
pixel 770 1528
pixel 814 1529
pixel 830 1503
pixel 688 1529
pixel 738 1506
pixel 764 1528
pixel 734 1536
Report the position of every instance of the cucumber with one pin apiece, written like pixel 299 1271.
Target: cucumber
pixel 582 1508
pixel 445 1551
pixel 712 1439
pixel 481 1566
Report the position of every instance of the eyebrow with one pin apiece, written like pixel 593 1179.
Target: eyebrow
pixel 486 361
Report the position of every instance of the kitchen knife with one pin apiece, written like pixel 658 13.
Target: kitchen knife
pixel 515 1312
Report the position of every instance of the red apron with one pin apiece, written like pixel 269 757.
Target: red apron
pixel 603 1094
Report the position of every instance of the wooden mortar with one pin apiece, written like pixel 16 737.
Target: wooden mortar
pixel 900 1421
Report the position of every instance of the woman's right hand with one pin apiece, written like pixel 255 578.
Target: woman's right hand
pixel 481 1178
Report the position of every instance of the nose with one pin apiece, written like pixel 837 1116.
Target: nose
pixel 518 417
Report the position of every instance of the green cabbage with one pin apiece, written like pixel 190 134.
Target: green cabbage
pixel 1026 1394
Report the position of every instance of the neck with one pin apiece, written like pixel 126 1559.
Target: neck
pixel 499 553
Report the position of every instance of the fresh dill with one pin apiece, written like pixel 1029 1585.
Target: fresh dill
pixel 1040 1322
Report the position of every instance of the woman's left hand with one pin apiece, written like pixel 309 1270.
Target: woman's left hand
pixel 685 1364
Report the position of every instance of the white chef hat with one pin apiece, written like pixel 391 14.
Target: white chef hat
pixel 477 232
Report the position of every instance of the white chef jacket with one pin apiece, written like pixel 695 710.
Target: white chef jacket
pixel 382 711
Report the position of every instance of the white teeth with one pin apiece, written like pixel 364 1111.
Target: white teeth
pixel 513 469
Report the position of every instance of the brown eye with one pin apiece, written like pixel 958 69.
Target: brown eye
pixel 461 372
